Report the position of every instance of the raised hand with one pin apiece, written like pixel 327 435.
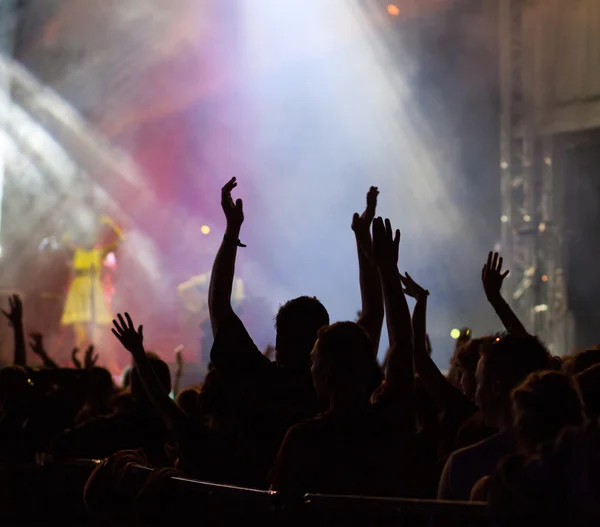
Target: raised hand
pixel 492 276
pixel 411 288
pixel 234 212
pixel 386 243
pixel 15 315
pixel 179 358
pixel 37 344
pixel 132 340
pixel 75 359
pixel 89 359
pixel 361 224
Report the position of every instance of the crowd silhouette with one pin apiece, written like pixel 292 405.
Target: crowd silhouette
pixel 510 425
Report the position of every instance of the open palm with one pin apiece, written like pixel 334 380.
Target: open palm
pixel 124 330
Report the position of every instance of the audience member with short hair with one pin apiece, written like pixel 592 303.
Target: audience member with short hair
pixel 358 447
pixel 500 369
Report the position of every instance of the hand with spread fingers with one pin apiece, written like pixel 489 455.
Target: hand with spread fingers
pixel 89 359
pixel 37 344
pixel 15 315
pixel 75 359
pixel 131 339
pixel 492 276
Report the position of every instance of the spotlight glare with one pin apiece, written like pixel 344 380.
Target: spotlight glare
pixel 455 333
pixel 205 229
pixel 393 9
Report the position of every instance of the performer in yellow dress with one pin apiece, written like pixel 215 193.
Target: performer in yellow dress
pixel 86 307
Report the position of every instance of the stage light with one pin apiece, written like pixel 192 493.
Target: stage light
pixel 544 278
pixel 111 260
pixel 205 229
pixel 455 333
pixel 393 9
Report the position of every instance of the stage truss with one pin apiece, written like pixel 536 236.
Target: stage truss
pixel 531 222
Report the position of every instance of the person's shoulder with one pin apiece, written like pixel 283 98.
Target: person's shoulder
pixel 488 444
pixel 102 422
pixel 233 348
pixel 309 428
pixel 300 436
pixel 314 423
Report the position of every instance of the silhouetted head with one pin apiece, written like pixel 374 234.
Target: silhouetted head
pixel 582 361
pixel 544 404
pixel 588 383
pixel 161 369
pixel 343 363
pixel 187 400
pixel 467 358
pixel 99 385
pixel 556 363
pixel 455 369
pixel 297 323
pixel 501 368
pixel 14 387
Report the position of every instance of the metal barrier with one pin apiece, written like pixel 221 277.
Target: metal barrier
pixel 360 510
pixel 177 499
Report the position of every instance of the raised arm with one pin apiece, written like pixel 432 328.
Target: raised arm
pixel 133 341
pixel 179 371
pixel 37 346
pixel 89 359
pixel 399 375
pixel 75 359
pixel 105 220
pixel 438 387
pixel 492 278
pixel 371 316
pixel 15 319
pixel 223 272
pixel 419 318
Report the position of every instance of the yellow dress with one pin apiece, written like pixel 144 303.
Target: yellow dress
pixel 87 265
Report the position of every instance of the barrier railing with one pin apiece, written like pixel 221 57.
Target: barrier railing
pixel 177 499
